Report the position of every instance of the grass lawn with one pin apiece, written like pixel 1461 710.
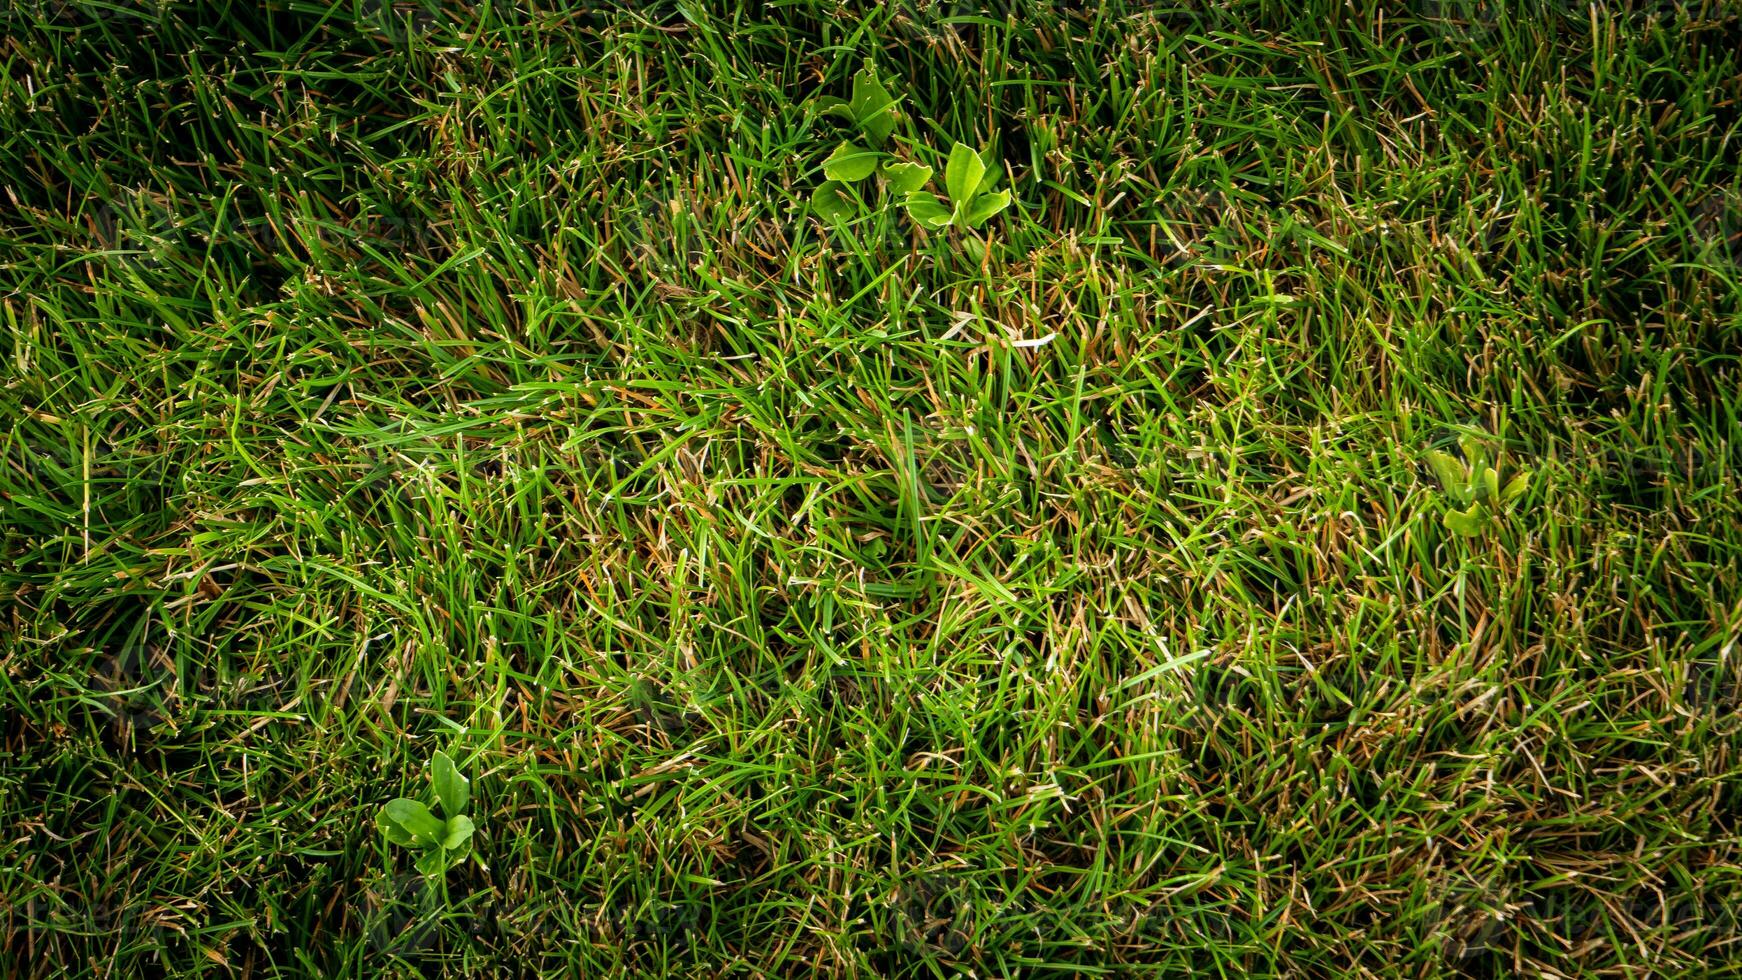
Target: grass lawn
pixel 1301 534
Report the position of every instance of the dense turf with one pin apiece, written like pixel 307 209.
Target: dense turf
pixel 845 598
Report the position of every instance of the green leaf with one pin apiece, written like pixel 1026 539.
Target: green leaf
pixel 873 108
pixel 1515 487
pixel 831 201
pixel 433 862
pixel 926 210
pixel 850 163
pixel 994 172
pixel 1450 472
pixel 395 833
pixel 457 855
pixel 962 174
pixel 828 105
pixel 1467 523
pixel 985 206
pixel 878 127
pixel 1491 480
pixel 459 831
pixel 1473 454
pixel 905 178
pixel 868 92
pixel 453 789
pixel 415 819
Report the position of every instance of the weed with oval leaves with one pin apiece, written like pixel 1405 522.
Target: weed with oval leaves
pixel 446 840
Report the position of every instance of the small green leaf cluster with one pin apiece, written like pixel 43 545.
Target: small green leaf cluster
pixel 410 823
pixel 1475 495
pixel 970 181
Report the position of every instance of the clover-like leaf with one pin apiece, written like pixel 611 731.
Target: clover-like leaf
pixel 926 210
pixel 989 180
pixel 459 831
pixel 850 163
pixel 1474 455
pixel 985 206
pixel 905 178
pixel 832 202
pixel 433 862
pixel 872 108
pixel 395 833
pixel 1451 473
pixel 962 174
pixel 453 789
pixel 415 819
pixel 829 105
pixel 1515 487
pixel 1467 523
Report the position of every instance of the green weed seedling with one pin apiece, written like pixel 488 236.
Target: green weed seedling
pixel 872 115
pixel 409 823
pixel 1472 486
pixel 969 183
pixel 969 180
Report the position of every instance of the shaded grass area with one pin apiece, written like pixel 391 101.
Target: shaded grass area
pixel 380 379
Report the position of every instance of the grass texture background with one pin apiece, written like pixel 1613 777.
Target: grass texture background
pixel 810 598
